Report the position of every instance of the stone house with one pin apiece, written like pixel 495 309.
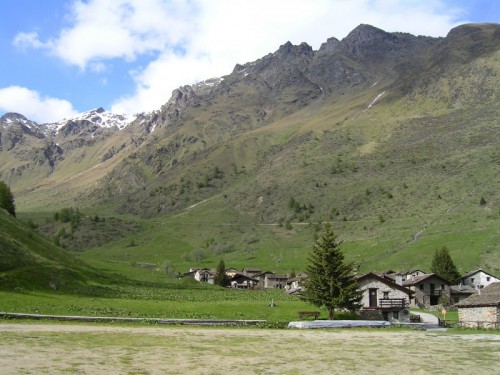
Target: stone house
pixel 204 275
pixel 383 298
pixel 275 281
pixel 481 310
pixel 431 291
pixel 479 279
pixel 262 276
pixel 242 281
pixel 295 285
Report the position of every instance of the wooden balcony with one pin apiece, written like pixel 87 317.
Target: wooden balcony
pixel 435 292
pixel 393 303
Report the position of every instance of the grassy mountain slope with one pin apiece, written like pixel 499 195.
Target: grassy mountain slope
pixel 28 261
pixel 398 146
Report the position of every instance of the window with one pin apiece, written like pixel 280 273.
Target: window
pixel 442 287
pixel 386 295
pixel 488 278
pixel 395 314
pixel 472 280
pixel 421 286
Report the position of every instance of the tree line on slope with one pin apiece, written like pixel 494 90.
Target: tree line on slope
pixel 7 199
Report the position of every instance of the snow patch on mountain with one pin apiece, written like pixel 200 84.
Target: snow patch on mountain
pixel 374 101
pixel 98 117
pixel 16 118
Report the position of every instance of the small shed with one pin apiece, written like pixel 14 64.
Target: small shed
pixel 481 310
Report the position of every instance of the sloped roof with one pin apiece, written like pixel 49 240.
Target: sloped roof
pixel 462 289
pixel 298 278
pixel 477 271
pixel 280 277
pixel 240 276
pixel 386 281
pixel 251 270
pixel 490 296
pixel 419 279
pixel 412 271
pixel 262 273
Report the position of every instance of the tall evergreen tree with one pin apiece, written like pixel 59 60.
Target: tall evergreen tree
pixel 7 199
pixel 221 278
pixel 443 265
pixel 330 281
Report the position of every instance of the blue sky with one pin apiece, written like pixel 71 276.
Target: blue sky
pixel 61 57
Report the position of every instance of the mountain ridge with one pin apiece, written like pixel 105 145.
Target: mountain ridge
pixel 393 138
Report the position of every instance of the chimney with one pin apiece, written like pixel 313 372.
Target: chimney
pixel 399 280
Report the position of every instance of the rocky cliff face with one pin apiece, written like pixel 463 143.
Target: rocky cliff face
pixel 202 121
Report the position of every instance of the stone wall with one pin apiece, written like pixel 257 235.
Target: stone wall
pixel 479 317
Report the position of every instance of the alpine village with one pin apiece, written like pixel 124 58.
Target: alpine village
pixel 359 182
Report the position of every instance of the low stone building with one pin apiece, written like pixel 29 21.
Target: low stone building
pixel 460 292
pixel 431 291
pixel 275 281
pixel 481 310
pixel 382 298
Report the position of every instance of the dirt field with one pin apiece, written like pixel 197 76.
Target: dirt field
pixel 107 349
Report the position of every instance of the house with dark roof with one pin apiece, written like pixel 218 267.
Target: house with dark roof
pixel 479 279
pixel 430 289
pixel 383 298
pixel 242 281
pixel 461 292
pixel 481 310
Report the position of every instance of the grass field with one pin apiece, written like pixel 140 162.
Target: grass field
pixel 94 349
pixel 181 302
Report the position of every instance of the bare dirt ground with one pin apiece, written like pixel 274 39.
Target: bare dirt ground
pixel 107 349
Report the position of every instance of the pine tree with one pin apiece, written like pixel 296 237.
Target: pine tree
pixel 330 281
pixel 443 265
pixel 7 199
pixel 221 278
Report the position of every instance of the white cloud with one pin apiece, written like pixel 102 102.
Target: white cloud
pixel 30 104
pixel 28 40
pixel 191 40
pixel 239 31
pixel 103 29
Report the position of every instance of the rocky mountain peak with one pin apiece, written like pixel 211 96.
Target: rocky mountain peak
pixel 96 117
pixel 330 45
pixel 365 38
pixel 13 116
pixel 16 118
pixel 289 49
